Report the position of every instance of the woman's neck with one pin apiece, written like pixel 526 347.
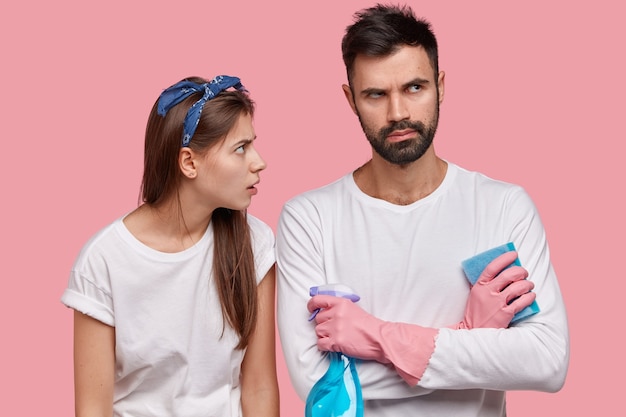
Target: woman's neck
pixel 167 227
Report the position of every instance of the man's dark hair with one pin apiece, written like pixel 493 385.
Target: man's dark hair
pixel 381 30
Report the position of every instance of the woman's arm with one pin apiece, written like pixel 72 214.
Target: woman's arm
pixel 259 383
pixel 94 366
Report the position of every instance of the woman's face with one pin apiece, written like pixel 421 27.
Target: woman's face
pixel 230 170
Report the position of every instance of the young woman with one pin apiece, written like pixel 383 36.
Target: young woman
pixel 174 302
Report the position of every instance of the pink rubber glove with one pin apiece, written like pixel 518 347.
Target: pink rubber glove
pixel 343 326
pixel 488 303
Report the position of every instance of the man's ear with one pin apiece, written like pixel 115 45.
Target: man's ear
pixel 348 93
pixel 441 85
pixel 186 162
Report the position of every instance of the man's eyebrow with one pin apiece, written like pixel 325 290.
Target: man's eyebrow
pixel 415 81
pixel 372 90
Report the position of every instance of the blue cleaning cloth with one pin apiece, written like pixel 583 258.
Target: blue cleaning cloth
pixel 475 265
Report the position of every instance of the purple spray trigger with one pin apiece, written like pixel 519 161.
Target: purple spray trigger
pixel 336 290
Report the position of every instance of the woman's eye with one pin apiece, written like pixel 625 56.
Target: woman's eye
pixel 240 149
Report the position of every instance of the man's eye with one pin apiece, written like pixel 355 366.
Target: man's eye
pixel 415 88
pixel 376 95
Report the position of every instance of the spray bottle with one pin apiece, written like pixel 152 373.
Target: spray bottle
pixel 338 392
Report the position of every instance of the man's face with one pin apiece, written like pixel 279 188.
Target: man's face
pixel 397 101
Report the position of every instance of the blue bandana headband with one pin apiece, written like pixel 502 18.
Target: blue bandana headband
pixel 183 89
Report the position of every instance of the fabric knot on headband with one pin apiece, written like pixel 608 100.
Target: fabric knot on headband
pixel 183 89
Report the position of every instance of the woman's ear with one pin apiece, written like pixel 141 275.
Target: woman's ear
pixel 186 162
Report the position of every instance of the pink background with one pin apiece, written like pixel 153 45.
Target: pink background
pixel 535 95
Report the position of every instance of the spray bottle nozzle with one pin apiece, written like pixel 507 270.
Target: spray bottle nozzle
pixel 337 290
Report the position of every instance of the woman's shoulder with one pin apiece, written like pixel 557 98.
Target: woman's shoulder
pixel 101 239
pixel 263 244
pixel 100 245
pixel 258 227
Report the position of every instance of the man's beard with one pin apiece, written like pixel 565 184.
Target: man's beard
pixel 406 151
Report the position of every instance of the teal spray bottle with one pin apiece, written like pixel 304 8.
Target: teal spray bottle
pixel 338 392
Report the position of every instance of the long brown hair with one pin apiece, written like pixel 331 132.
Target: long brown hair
pixel 233 260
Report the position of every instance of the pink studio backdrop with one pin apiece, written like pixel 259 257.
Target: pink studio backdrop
pixel 534 95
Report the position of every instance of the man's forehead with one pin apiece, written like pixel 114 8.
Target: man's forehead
pixel 405 65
